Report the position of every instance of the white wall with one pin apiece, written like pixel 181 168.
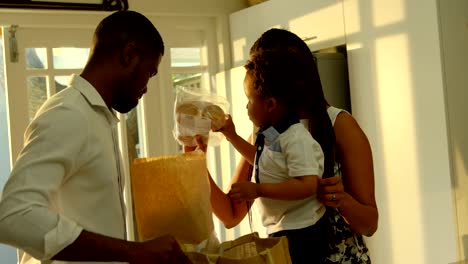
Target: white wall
pixel 398 98
pixel 454 34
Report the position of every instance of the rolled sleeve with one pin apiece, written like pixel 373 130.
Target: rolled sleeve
pixel 29 211
pixel 39 232
pixel 65 233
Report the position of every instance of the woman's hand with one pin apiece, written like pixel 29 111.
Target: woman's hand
pixel 243 191
pixel 201 144
pixel 331 192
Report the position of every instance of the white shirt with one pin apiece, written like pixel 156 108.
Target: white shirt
pixel 66 178
pixel 333 113
pixel 293 153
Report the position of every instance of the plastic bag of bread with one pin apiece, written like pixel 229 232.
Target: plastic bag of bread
pixel 171 195
pixel 198 113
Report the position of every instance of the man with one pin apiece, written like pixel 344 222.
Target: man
pixel 63 200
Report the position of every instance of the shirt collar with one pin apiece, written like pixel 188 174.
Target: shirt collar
pixel 92 96
pixel 273 132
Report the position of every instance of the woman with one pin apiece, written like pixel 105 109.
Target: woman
pixel 351 193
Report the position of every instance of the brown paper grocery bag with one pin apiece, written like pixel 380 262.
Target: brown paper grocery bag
pixel 252 249
pixel 171 195
pixel 248 249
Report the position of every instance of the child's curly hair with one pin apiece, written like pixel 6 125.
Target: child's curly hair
pixel 279 74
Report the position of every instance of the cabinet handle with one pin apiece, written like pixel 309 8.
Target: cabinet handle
pixel 309 38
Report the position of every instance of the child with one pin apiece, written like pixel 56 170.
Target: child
pixel 286 171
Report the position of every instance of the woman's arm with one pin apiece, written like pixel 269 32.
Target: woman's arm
pixel 228 211
pixel 355 197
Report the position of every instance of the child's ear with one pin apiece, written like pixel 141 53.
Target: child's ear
pixel 271 104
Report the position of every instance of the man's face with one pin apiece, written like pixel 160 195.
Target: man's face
pixel 134 86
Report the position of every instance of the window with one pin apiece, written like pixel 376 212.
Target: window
pixel 47 77
pixel 188 68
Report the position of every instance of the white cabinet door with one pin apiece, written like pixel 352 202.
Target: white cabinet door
pixel 319 22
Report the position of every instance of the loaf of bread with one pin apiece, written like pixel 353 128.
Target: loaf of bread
pixel 187 109
pixel 216 114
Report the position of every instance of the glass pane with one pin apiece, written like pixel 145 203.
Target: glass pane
pixel 37 93
pixel 70 58
pixel 61 82
pixel 135 144
pixel 36 58
pixel 189 80
pixel 185 57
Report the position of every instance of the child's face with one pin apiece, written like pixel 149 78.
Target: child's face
pixel 256 106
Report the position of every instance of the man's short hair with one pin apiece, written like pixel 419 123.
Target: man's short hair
pixel 123 27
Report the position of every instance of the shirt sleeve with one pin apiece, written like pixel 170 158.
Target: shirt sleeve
pixel 304 156
pixel 29 217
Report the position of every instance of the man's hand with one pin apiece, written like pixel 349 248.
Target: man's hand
pixel 163 249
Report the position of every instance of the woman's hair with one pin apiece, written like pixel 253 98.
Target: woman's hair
pixel 298 80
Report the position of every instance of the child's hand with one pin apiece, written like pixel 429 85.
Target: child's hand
pixel 243 191
pixel 229 129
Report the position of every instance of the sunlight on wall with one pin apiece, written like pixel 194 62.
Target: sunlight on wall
pixel 396 105
pixel 388 12
pixel 301 25
pixel 353 25
pixel 238 46
pixel 221 53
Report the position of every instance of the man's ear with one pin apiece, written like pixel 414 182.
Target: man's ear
pixel 128 55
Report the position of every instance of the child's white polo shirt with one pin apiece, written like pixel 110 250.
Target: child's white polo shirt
pixel 291 154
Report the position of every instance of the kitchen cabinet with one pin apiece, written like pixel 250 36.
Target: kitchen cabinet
pixel 319 22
